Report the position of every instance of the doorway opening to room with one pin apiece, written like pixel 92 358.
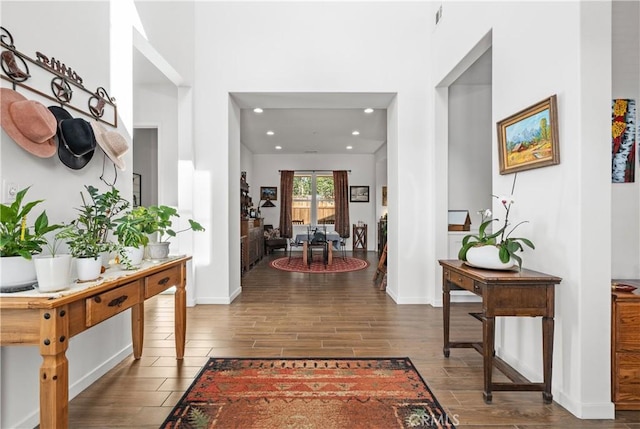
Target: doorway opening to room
pixel 145 166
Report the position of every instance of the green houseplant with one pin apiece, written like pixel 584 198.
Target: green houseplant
pixel 132 231
pixel 159 219
pixel 87 235
pixel 20 242
pixel 18 239
pixel 506 245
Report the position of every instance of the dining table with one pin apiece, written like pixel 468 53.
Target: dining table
pixel 304 238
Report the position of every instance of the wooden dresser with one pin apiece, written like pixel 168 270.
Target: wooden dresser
pixel 625 347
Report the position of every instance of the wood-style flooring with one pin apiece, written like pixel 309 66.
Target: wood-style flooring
pixel 313 315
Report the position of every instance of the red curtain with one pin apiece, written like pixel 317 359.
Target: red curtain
pixel 286 203
pixel 341 192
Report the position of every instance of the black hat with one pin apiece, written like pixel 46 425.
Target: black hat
pixel 76 141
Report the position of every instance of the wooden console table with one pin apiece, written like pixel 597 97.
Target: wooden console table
pixel 523 293
pixel 50 320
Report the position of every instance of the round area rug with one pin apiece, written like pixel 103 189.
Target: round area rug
pixel 339 265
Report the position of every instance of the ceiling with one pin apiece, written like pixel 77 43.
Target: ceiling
pixel 312 123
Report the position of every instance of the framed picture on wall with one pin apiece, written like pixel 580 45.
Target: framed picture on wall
pixel 384 196
pixel 529 138
pixel 359 194
pixel 269 193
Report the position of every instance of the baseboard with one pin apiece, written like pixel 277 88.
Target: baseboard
pixel 222 300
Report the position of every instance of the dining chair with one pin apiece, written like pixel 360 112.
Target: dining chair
pixel 293 242
pixel 317 239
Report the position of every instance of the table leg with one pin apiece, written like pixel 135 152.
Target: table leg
pixel 330 251
pixel 547 357
pixel 446 308
pixel 488 339
pixel 180 312
pixel 137 329
pixel 305 248
pixel 54 371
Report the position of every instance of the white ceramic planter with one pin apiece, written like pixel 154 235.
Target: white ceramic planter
pixel 16 271
pixel 488 257
pixel 158 251
pixel 134 255
pixel 88 268
pixel 53 272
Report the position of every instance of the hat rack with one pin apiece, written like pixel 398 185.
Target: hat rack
pixel 65 84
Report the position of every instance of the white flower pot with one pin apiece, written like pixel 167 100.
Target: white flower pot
pixel 88 268
pixel 134 255
pixel 157 251
pixel 488 257
pixel 53 272
pixel 16 272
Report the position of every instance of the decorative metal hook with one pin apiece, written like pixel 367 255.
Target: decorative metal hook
pixel 61 89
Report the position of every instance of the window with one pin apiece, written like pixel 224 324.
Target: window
pixel 313 198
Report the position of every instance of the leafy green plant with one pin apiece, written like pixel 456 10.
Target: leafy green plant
pixel 160 220
pixel 18 239
pixel 87 235
pixel 507 246
pixel 133 227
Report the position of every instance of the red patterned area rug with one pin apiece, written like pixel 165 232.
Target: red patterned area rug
pixel 311 393
pixel 338 265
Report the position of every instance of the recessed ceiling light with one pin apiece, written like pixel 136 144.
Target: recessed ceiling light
pixel 368 110
pixel 258 110
pixel 270 133
pixel 355 133
pixel 349 147
pixel 278 147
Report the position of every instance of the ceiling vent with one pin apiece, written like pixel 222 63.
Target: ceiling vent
pixel 310 151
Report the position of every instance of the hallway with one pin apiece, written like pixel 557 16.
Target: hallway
pixel 319 315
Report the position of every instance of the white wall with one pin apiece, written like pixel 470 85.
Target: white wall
pixel 92 353
pixel 565 204
pixel 625 197
pixel 470 148
pixel 312 47
pixel 265 173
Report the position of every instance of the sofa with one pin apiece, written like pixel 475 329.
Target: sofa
pixel 272 240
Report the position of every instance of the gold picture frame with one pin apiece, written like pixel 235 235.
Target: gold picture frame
pixel 529 138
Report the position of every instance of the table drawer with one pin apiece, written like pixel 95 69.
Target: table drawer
pixel 627 382
pixel 161 281
pixel 105 305
pixel 464 282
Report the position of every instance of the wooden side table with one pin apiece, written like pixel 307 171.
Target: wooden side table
pixel 522 293
pixel 359 237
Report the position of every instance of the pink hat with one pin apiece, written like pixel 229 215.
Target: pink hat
pixel 112 143
pixel 29 123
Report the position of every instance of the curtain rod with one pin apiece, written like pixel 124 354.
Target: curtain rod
pixel 314 171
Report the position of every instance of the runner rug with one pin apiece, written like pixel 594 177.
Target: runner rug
pixel 278 393
pixel 338 265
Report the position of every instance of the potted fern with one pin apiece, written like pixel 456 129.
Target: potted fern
pixel 20 241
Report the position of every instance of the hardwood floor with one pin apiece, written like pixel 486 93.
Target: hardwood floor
pixel 332 315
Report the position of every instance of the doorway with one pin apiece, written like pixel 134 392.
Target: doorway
pixel 145 166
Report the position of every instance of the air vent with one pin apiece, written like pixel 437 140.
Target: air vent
pixel 310 151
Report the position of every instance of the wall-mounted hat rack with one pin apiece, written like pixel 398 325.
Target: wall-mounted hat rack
pixel 66 86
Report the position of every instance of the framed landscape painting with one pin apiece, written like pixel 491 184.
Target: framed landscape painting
pixel 269 193
pixel 359 194
pixel 529 138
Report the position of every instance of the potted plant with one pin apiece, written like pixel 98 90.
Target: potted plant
pixel 497 250
pixel 160 221
pixel 53 270
pixel 19 242
pixel 87 235
pixel 132 231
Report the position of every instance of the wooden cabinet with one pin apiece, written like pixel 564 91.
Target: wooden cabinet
pixel 253 248
pixel 625 347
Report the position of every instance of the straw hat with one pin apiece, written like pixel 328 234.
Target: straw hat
pixel 28 123
pixel 112 143
pixel 76 142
